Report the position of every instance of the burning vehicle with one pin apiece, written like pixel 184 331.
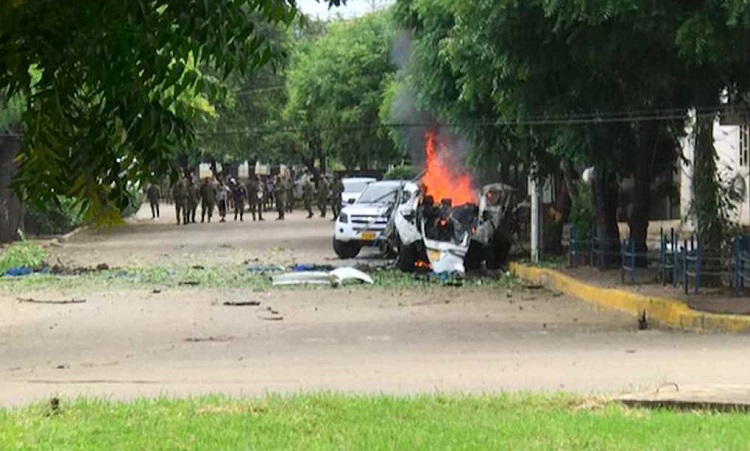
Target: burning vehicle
pixel 445 225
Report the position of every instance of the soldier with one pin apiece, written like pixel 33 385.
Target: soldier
pixel 154 195
pixel 279 191
pixel 323 195
pixel 336 191
pixel 179 194
pixel 255 196
pixel 222 196
pixel 289 183
pixel 208 199
pixel 269 193
pixel 307 196
pixel 194 196
pixel 239 195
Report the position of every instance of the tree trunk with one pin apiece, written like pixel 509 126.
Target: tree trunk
pixel 648 133
pixel 605 197
pixel 11 210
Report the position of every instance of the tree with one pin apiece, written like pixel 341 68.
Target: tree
pixel 106 109
pixel 336 85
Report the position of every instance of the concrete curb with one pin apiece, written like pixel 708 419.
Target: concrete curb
pixel 665 312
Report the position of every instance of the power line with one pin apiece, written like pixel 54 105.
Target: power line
pixel 574 119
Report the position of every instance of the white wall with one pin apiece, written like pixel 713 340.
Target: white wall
pixel 727 143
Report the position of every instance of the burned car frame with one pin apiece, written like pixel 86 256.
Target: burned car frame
pixel 451 239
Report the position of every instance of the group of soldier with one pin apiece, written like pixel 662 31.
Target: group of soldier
pixel 259 195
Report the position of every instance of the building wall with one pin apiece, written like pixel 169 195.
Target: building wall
pixel 732 144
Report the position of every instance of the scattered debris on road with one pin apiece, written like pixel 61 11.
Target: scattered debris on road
pixel 642 321
pixel 63 301
pixel 334 278
pixel 242 303
pixel 217 339
pixel 269 314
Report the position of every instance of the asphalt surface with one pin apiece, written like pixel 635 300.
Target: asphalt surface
pixel 123 344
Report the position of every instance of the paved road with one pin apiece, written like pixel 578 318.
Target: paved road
pixel 183 342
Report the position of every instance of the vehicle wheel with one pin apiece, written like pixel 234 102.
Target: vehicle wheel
pixel 407 257
pixel 474 256
pixel 387 250
pixel 346 249
pixel 498 255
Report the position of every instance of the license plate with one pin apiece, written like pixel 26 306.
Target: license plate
pixel 433 256
pixel 368 236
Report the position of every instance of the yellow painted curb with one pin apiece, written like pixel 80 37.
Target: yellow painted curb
pixel 662 311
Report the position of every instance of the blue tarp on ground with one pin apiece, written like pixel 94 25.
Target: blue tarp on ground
pixel 17 272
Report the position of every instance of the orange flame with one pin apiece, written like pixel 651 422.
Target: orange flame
pixel 422 265
pixel 442 179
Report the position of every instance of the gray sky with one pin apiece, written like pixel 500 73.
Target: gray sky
pixel 353 8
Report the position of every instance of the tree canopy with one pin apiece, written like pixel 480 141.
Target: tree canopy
pixel 336 85
pixel 109 107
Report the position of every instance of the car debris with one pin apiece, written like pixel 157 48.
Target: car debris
pixel 242 303
pixel 60 302
pixel 334 278
pixel 269 314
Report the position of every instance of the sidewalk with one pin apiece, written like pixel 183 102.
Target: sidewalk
pixel 710 311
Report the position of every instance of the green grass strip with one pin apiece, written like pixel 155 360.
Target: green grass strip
pixel 327 421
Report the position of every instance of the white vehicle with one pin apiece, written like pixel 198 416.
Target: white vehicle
pixel 451 238
pixel 362 223
pixel 353 188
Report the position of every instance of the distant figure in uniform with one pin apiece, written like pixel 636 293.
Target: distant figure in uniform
pixel 289 183
pixel 154 195
pixel 279 192
pixel 180 194
pixel 269 193
pixel 336 191
pixel 194 196
pixel 239 195
pixel 222 196
pixel 255 197
pixel 165 191
pixel 323 195
pixel 208 199
pixel 307 196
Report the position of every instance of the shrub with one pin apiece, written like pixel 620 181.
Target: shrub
pixel 582 214
pixel 21 255
pixel 403 172
pixel 54 219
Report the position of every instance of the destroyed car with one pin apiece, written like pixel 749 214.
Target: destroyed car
pixel 363 222
pixel 449 238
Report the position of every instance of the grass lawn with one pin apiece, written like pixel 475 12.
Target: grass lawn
pixel 327 421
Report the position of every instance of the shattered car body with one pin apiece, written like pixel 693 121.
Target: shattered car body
pixel 452 239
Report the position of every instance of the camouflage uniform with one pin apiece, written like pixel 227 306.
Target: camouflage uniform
pixel 208 199
pixel 255 202
pixel 154 194
pixel 323 196
pixel 279 191
pixel 289 184
pixel 336 191
pixel 222 195
pixel 194 196
pixel 180 194
pixel 239 195
pixel 307 196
